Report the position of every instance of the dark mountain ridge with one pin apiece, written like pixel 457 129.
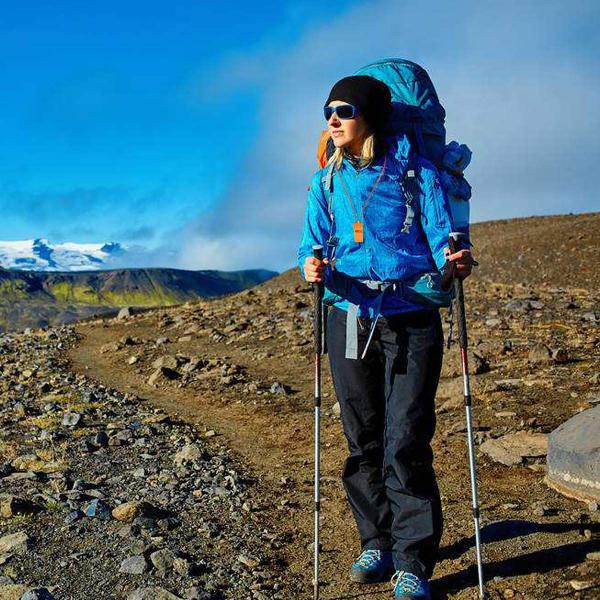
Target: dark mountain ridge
pixel 41 298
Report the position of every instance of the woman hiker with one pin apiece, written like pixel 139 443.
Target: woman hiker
pixel 385 350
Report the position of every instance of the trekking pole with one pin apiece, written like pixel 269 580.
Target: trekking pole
pixel 449 278
pixel 318 323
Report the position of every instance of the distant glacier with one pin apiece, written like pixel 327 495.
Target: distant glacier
pixel 42 255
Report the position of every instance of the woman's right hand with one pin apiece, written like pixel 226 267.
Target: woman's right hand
pixel 313 269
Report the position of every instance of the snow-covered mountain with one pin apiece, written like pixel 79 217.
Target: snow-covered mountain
pixel 42 255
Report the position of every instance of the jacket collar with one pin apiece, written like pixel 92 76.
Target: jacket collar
pixel 398 152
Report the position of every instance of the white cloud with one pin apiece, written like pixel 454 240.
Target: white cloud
pixel 517 88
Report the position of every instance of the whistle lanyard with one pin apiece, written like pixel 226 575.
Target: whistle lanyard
pixel 358 223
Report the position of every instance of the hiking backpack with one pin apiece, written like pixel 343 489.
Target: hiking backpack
pixel 417 112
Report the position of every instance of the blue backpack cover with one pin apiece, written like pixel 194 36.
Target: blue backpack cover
pixel 418 113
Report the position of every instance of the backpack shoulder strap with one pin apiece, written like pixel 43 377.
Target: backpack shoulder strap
pixel 327 183
pixel 410 189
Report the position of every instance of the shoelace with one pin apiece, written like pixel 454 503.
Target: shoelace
pixel 405 582
pixel 368 557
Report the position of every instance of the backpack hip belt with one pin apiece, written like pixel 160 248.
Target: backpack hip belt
pixel 352 316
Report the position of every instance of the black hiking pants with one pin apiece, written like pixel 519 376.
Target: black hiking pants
pixel 388 417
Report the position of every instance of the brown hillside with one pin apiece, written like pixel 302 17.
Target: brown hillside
pixel 243 366
pixel 557 251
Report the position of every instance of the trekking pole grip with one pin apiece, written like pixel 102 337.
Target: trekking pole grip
pixel 318 290
pixel 454 244
pixel 450 268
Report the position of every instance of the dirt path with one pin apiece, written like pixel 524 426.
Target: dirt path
pixel 527 556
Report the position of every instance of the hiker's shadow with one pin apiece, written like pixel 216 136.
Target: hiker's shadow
pixel 506 530
pixel 539 561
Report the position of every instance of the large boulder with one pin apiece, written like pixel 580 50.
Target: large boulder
pixel 574 456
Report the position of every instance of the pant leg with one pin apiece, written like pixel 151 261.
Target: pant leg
pixel 413 346
pixel 359 388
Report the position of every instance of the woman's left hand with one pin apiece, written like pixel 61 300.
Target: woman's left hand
pixel 463 260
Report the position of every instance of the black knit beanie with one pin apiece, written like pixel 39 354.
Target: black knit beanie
pixel 371 96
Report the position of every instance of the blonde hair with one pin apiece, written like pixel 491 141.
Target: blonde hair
pixel 367 153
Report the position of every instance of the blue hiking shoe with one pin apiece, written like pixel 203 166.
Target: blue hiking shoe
pixel 373 566
pixel 408 586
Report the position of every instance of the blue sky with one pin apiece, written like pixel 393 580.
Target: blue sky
pixel 187 130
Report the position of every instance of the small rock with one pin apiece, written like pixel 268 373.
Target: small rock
pixel 559 355
pixel 493 322
pixel 37 594
pixel 163 374
pixel 123 435
pixel 73 516
pixel 250 562
pixel 11 506
pixel 71 419
pixel 195 593
pixel 162 560
pixel 189 453
pixel 279 388
pixel 134 565
pixel 481 364
pixel 127 511
pixel 101 438
pixel 110 347
pixel 124 313
pixel 19 409
pixel 11 591
pixel 170 362
pixel 17 543
pixel 98 509
pixel 516 305
pixel 182 566
pixel 27 462
pixel 506 385
pixel 579 585
pixel 541 510
pixel 539 354
pixel 516 448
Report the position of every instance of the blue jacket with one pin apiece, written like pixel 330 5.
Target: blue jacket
pixel 387 253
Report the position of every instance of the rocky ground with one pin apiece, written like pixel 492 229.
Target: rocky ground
pixel 106 497
pixel 83 418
